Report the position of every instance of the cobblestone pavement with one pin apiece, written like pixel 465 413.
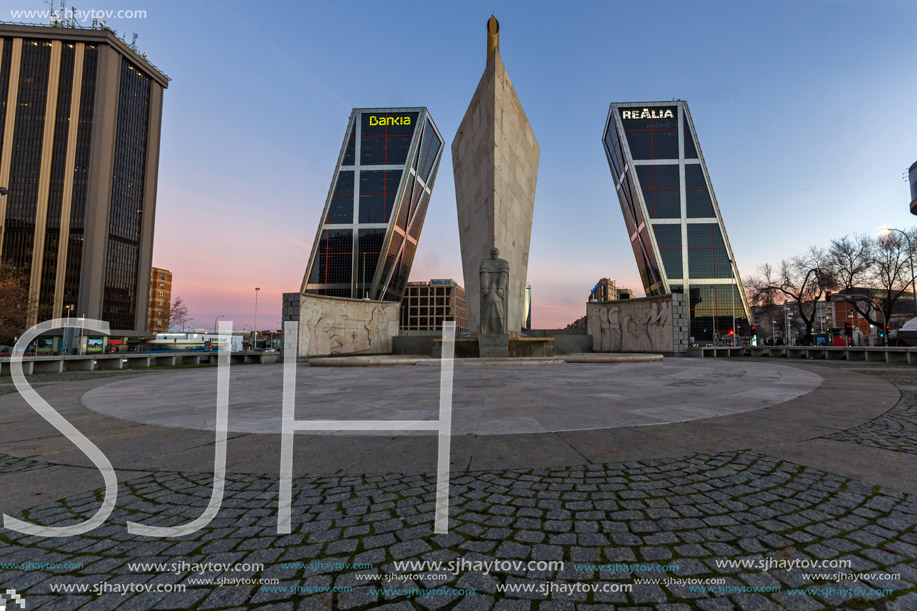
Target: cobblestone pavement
pixel 696 512
pixel 894 430
pixel 692 512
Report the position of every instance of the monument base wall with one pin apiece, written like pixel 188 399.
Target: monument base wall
pixel 650 324
pixel 566 341
pixel 339 326
pixel 414 344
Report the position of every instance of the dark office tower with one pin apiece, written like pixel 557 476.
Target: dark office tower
pixel 382 183
pixel 79 151
pixel 672 216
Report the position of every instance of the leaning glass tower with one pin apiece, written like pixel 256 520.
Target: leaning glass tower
pixel 672 216
pixel 375 208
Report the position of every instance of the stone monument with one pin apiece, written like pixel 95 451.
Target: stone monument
pixel 495 161
pixel 493 340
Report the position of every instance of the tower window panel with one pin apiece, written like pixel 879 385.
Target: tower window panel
pixel 404 209
pixel 707 254
pixel 700 263
pixel 660 184
pixel 704 235
pixel 698 204
pixel 665 144
pixel 641 144
pixel 690 149
pixel 378 189
pixel 333 262
pixel 429 148
pixel 668 241
pixel 416 223
pixel 671 261
pixel 634 201
pixel 350 151
pixel 694 176
pixel 663 203
pixel 341 209
pixel 613 146
pixel 369 247
pixel 627 209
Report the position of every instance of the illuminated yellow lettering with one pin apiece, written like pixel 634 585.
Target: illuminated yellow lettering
pixel 374 120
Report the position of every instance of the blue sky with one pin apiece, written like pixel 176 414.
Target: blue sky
pixel 804 111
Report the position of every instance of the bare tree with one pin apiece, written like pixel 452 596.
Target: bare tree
pixel 850 260
pixel 803 280
pixel 14 302
pixel 891 272
pixel 873 273
pixel 178 312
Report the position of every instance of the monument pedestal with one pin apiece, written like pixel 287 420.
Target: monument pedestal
pixel 519 347
pixel 493 345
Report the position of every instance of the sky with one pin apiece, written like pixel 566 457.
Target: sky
pixel 804 110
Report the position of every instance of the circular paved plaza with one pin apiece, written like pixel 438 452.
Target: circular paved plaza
pixel 486 400
pixel 766 492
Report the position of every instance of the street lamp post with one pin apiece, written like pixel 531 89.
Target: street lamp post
pixel 789 338
pixel 68 333
pixel 255 341
pixel 215 322
pixel 732 291
pixel 773 331
pixel 910 252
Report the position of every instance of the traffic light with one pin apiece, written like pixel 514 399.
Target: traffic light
pixel 754 330
pixel 731 332
pixel 828 297
pixel 848 329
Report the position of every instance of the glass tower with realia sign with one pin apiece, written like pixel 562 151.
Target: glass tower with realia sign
pixel 672 215
pixel 375 208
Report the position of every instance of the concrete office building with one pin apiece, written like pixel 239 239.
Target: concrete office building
pixel 80 117
pixel 376 206
pixel 605 290
pixel 427 304
pixel 672 216
pixel 160 300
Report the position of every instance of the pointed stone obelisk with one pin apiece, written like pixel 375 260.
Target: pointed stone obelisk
pixel 495 161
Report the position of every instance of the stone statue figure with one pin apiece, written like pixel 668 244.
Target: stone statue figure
pixel 494 284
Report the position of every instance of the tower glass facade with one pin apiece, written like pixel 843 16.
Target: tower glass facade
pixel 375 209
pixel 80 117
pixel 672 216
